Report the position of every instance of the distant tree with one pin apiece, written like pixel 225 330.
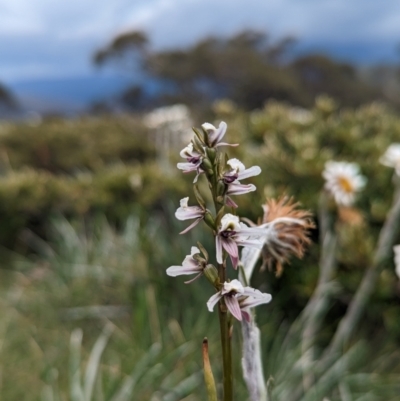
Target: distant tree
pixel 127 50
pixel 247 67
pixel 7 100
pixel 320 74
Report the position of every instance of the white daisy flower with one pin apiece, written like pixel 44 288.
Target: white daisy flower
pixel 391 157
pixel 343 181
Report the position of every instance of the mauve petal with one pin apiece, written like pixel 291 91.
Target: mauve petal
pixel 232 249
pixel 174 271
pixel 240 189
pixel 250 172
pixel 230 202
pixel 251 302
pixel 199 171
pixel 245 315
pixel 190 263
pixel 218 249
pixel 233 306
pixel 213 301
pixel 188 213
pixel 251 243
pixel 251 231
pixel 230 246
pixel 187 167
pixel 191 226
pixel 226 144
pixel 216 135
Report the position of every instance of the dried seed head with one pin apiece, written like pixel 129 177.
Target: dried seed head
pixel 288 230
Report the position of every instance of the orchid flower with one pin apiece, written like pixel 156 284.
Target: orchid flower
pixel 192 264
pixel 238 172
pixel 194 160
pixel 216 134
pixel 185 212
pixel 232 234
pixel 239 299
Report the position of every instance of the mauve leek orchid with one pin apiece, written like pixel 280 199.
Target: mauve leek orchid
pixel 231 178
pixel 216 134
pixel 232 234
pixel 190 265
pixel 194 160
pixel 239 299
pixel 185 212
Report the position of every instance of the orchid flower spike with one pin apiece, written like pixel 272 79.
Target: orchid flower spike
pixel 214 135
pixel 193 161
pixel 192 264
pixel 232 233
pixel 239 299
pixel 185 212
pixel 343 181
pixel 232 179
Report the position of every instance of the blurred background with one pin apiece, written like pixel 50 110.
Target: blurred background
pixel 97 98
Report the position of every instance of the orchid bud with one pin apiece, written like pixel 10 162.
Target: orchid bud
pixel 208 218
pixel 200 135
pixel 198 196
pixel 211 153
pixel 221 188
pixel 197 145
pixel 211 273
pixel 207 166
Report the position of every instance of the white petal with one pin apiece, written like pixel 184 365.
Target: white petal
pixel 229 221
pixel 174 271
pixel 213 301
pixel 234 285
pixel 236 165
pixel 250 172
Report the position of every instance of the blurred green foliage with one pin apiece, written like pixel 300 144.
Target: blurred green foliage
pixel 106 259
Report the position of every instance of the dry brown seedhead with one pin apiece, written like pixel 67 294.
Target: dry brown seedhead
pixel 289 232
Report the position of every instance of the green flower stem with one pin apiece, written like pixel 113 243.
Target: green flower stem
pixel 226 351
pixel 222 310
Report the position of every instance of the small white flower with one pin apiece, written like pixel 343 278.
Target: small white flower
pixel 232 233
pixel 190 265
pixel 396 250
pixel 193 158
pixel 216 134
pixel 343 181
pixel 238 299
pixel 185 212
pixel 391 157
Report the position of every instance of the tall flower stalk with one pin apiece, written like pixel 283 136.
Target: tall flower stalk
pixel 205 158
pixel 283 232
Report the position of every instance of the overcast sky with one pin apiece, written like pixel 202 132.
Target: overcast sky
pixel 54 38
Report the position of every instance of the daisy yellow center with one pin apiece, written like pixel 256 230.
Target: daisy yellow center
pixel 345 184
